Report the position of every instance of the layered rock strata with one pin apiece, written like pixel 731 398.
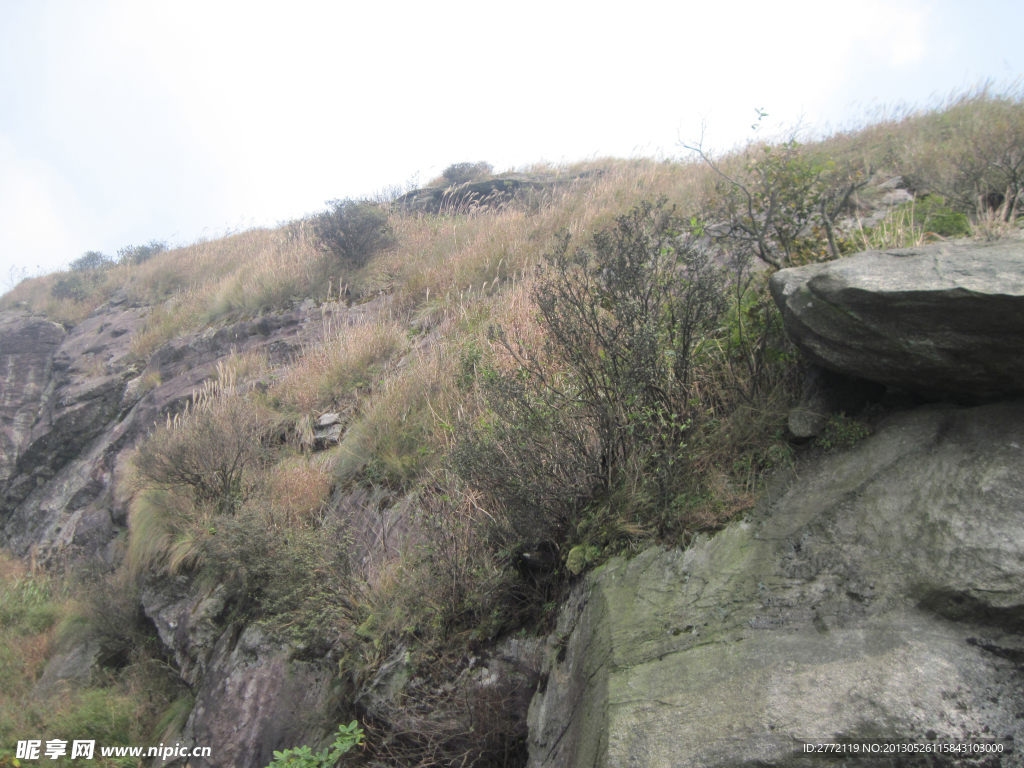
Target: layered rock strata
pixel 942 320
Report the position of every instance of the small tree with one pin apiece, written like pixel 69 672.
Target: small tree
pixel 461 173
pixel 90 261
pixel 771 208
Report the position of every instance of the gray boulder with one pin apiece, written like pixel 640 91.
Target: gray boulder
pixel 187 621
pixel 878 597
pixel 945 321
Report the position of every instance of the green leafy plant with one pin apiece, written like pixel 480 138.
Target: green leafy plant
pixel 347 737
pixel 933 215
pixel 782 204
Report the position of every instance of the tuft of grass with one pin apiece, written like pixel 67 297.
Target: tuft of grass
pixel 298 490
pixel 346 360
pixel 400 434
pixel 897 230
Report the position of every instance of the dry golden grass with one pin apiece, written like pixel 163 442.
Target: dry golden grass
pixel 442 260
pixel 400 431
pixel 34 296
pixel 245 273
pixel 346 359
pixel 298 490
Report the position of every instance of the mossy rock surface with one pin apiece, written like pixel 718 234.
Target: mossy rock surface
pixel 848 607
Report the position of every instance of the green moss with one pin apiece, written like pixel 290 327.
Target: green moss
pixel 580 557
pixel 842 433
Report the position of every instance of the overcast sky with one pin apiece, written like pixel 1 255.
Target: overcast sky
pixel 123 122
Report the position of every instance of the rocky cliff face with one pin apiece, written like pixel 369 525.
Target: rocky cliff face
pixel 71 406
pixel 876 594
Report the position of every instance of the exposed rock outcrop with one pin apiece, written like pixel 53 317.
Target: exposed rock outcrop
pixel 879 597
pixel 63 461
pixel 27 345
pixel 485 194
pixel 256 698
pixel 71 405
pixel 942 320
pixel 462 197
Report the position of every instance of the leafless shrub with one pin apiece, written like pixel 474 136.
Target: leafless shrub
pixel 209 452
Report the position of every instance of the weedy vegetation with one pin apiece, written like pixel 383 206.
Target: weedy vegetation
pixel 123 698
pixel 528 390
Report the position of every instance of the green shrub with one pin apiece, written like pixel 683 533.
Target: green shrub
pixel 841 433
pixel 933 215
pixel 209 452
pixel 347 737
pixel 352 231
pixel 86 277
pixel 70 287
pixel 461 173
pixel 608 402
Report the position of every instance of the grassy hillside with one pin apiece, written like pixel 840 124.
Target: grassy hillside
pixel 578 373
